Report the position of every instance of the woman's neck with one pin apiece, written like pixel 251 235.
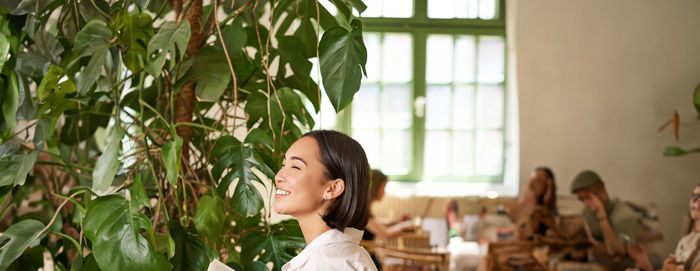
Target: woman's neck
pixel 696 226
pixel 312 226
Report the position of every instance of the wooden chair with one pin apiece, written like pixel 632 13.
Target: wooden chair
pixel 507 255
pixel 413 248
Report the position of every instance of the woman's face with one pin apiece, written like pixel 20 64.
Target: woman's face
pixel 300 181
pixel 380 194
pixel 695 204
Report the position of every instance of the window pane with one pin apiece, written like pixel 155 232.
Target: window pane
pixel 439 59
pixel 441 8
pixel 396 146
pixel 397 8
pixel 464 59
pixel 437 107
pixel 369 139
pixel 374 8
pixel 326 118
pixel 373 44
pixel 365 107
pixel 489 109
pixel 463 108
pixel 489 153
pixel 487 9
pixel 437 153
pixel 396 104
pixel 462 154
pixel 397 58
pixel 491 59
pixel 473 9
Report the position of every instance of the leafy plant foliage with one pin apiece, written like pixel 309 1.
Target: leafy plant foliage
pixel 118 118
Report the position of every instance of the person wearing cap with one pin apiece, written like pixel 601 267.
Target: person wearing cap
pixel 610 225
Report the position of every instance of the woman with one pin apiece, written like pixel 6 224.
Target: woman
pixel 687 256
pixel 376 228
pixel 536 209
pixel 324 184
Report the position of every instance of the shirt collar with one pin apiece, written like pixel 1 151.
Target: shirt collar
pixel 329 237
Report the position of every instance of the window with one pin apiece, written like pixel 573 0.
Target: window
pixel 433 107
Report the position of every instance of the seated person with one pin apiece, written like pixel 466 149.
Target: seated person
pixel 536 209
pixel 686 257
pixel 610 223
pixel 375 228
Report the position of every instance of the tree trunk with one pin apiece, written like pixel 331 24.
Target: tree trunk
pixel 184 102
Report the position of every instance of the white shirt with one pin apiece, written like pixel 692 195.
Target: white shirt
pixel 333 250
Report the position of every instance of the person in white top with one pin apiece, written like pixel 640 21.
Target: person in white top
pixel 324 184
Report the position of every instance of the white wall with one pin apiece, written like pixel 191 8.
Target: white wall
pixel 596 79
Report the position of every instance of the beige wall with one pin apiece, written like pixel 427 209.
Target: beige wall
pixel 596 79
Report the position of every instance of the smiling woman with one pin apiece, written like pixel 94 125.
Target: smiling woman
pixel 324 184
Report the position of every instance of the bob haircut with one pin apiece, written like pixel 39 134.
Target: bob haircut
pixel 344 158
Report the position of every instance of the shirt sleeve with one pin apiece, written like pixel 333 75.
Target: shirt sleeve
pixel 624 223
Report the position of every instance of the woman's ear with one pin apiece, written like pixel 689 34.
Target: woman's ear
pixel 335 189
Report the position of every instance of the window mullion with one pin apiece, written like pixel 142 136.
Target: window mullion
pixel 419 89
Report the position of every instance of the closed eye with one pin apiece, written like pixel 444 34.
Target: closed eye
pixel 296 167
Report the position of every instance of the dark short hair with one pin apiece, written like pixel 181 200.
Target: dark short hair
pixel 378 179
pixel 344 158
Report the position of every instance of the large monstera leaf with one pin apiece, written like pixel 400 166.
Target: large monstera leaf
pixel 278 247
pixel 113 224
pixel 240 158
pixel 343 56
pixel 210 217
pixel 171 39
pixel 190 252
pixel 16 167
pixel 17 238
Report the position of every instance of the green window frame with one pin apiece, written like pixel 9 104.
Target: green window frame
pixel 420 26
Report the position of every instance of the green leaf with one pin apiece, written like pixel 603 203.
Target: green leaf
pixel 301 66
pixel 136 32
pixel 210 217
pixel 169 37
pixel 21 236
pixel 172 151
pixel 258 136
pixel 108 163
pixel 45 51
pixel 696 99
pixel 81 126
pixel 4 49
pixel 246 199
pixel 89 264
pixel 138 194
pixel 88 9
pixel 112 224
pixel 274 248
pixel 190 252
pixel 141 3
pixel 14 169
pixel 211 72
pixel 235 38
pixel 50 85
pixel 94 36
pixel 256 266
pixel 88 75
pixel 10 99
pixel 358 5
pixel 677 151
pixel 256 108
pixel 343 58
